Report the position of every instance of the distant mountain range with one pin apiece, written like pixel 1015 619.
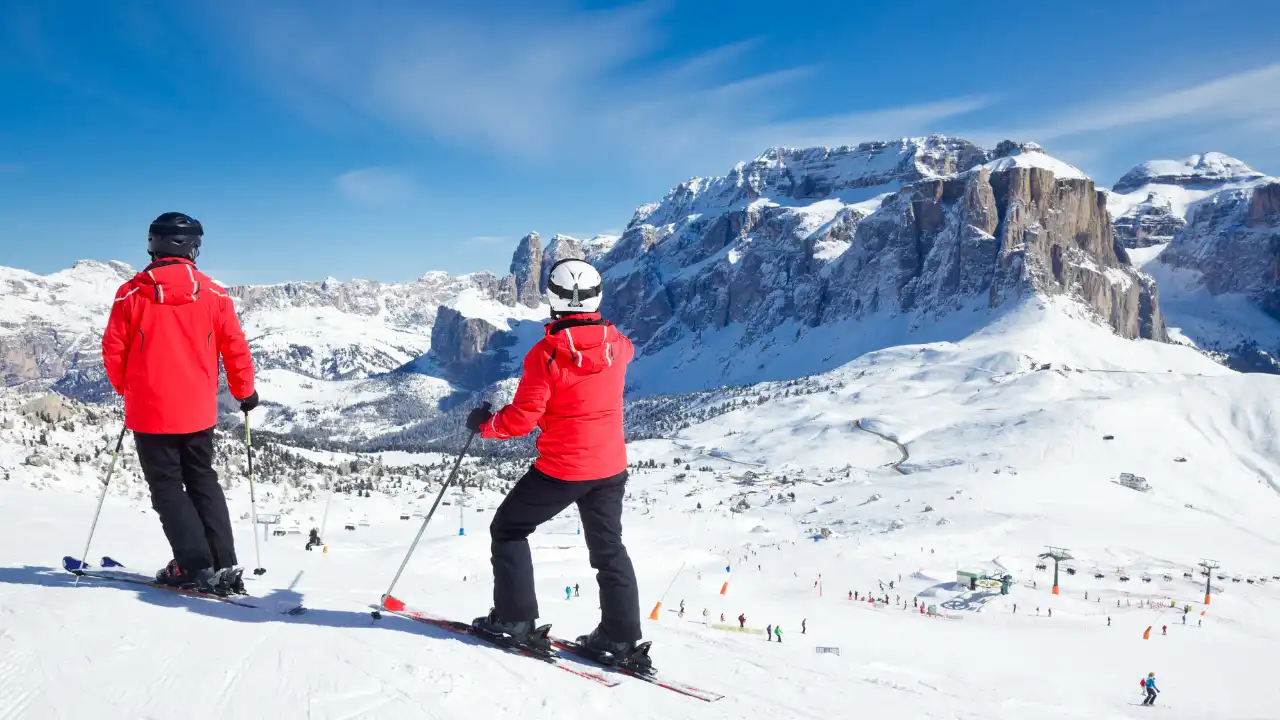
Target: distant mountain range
pixel 789 265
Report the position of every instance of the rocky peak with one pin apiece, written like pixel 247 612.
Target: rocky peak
pixel 815 173
pixel 975 229
pixel 1211 169
pixel 526 270
pixel 561 247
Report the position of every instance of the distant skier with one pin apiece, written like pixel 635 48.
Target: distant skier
pixel 1108 621
pixel 568 592
pixel 768 633
pixel 168 327
pixel 1164 629
pixel 575 590
pixel 850 594
pixel 571 389
pixel 777 630
pixel 706 614
pixel 804 626
pixel 1184 618
pixel 1152 690
pixel 742 621
pixel 314 540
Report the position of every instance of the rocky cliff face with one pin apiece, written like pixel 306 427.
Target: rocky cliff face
pixel 1150 222
pixel 51 325
pixel 943 232
pixel 470 352
pixel 526 271
pixel 1233 240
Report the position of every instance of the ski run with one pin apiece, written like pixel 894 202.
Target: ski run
pixel 1038 473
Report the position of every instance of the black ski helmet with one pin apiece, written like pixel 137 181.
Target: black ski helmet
pixel 174 234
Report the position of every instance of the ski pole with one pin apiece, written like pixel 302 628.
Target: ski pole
pixel 115 454
pixel 253 501
pixel 453 474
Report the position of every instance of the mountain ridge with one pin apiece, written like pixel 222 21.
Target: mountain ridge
pixel 887 242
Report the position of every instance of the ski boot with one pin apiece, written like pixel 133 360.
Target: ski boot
pixel 521 633
pixel 230 581
pixel 174 575
pixel 629 655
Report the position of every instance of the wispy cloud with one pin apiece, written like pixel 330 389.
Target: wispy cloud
pixel 1246 101
pixel 376 186
pixel 546 85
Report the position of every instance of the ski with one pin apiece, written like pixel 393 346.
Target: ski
pixel 651 676
pixel 114 572
pixel 396 607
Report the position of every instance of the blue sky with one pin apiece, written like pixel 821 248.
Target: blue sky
pixel 383 139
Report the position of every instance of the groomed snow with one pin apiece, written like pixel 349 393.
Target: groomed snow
pixel 1006 456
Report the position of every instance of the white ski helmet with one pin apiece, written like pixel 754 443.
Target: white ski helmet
pixel 573 286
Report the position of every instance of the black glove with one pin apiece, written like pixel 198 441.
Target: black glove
pixel 249 403
pixel 478 417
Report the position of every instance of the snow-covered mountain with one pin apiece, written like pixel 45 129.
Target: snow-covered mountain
pixel 1149 203
pixel 802 259
pixel 789 265
pixel 1218 276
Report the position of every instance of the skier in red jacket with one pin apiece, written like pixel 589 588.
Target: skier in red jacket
pixel 168 327
pixel 572 390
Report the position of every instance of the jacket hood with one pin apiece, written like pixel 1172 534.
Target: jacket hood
pixel 171 281
pixel 584 341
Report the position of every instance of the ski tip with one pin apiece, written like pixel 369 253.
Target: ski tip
pixel 71 564
pixel 392 604
pixel 108 562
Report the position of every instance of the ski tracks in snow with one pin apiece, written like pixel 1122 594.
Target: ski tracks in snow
pixel 19 686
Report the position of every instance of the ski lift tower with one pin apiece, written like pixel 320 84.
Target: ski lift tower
pixel 1057 554
pixel 1208 566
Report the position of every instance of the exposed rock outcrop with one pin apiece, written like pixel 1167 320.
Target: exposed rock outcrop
pixel 526 268
pixel 930 245
pixel 470 351
pixel 1233 240
pixel 1150 222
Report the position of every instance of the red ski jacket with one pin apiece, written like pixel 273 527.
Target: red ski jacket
pixel 572 389
pixel 167 328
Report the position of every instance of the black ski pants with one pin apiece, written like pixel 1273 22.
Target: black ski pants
pixel 186 494
pixel 1151 697
pixel 537 498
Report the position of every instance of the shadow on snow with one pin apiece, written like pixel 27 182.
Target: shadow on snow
pixel 271 606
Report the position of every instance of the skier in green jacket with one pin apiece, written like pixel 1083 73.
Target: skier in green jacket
pixel 777 630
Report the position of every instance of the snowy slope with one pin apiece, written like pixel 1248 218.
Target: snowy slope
pixel 1012 454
